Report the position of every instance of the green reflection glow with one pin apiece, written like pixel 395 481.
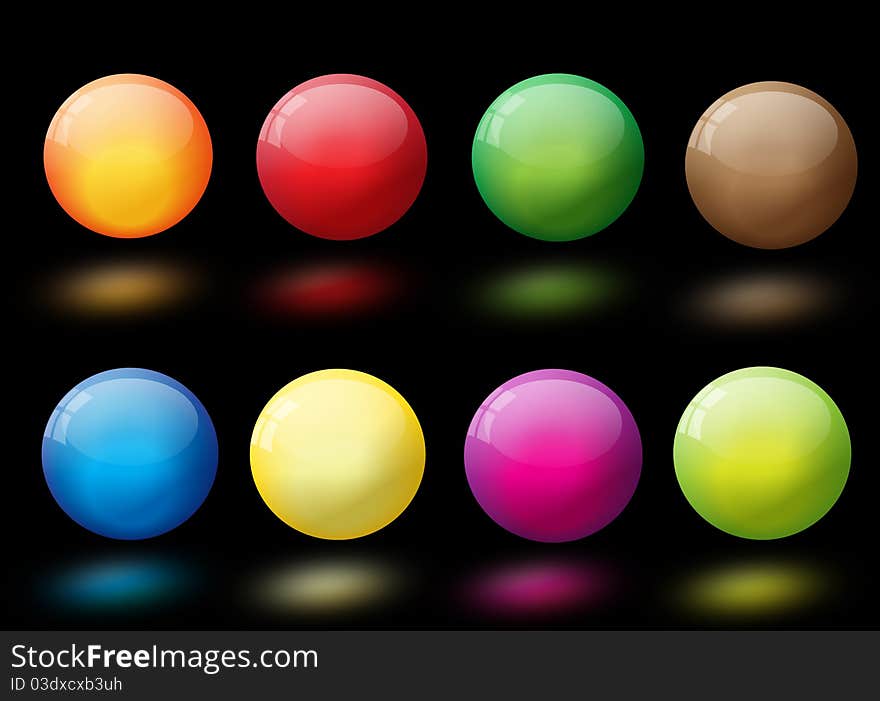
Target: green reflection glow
pixel 554 291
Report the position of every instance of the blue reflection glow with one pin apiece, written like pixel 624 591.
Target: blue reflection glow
pixel 118 585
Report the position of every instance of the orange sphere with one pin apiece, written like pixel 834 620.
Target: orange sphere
pixel 128 155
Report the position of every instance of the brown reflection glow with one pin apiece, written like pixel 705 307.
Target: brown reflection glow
pixel 764 299
pixel 108 289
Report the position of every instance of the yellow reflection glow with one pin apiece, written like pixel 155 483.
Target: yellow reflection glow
pixel 327 586
pixel 116 288
pixel 755 589
pixel 764 299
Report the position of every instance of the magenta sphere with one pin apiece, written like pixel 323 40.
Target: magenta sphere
pixel 553 455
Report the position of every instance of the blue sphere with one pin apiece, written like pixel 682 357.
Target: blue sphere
pixel 130 453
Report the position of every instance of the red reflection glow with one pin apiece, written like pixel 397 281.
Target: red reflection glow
pixel 331 290
pixel 538 588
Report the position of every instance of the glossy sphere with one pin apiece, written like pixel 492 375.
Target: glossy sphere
pixel 341 157
pixel 771 165
pixel 553 455
pixel 558 157
pixel 129 453
pixel 337 454
pixel 762 453
pixel 128 155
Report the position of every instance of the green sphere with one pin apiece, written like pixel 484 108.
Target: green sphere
pixel 762 453
pixel 558 157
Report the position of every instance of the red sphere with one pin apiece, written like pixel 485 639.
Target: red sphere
pixel 341 157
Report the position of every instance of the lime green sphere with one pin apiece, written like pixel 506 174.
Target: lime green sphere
pixel 558 157
pixel 762 453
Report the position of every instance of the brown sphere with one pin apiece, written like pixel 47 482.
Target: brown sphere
pixel 771 165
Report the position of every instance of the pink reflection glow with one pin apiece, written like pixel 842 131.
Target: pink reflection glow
pixel 539 588
pixel 331 290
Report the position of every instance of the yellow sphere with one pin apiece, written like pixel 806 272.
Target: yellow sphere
pixel 337 454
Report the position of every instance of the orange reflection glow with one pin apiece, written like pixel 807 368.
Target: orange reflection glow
pixel 764 299
pixel 332 290
pixel 122 288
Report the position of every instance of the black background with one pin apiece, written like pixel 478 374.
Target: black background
pixel 439 354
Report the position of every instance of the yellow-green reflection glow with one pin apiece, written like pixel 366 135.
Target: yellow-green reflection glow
pixel 754 589
pixel 764 299
pixel 121 288
pixel 327 586
pixel 553 290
